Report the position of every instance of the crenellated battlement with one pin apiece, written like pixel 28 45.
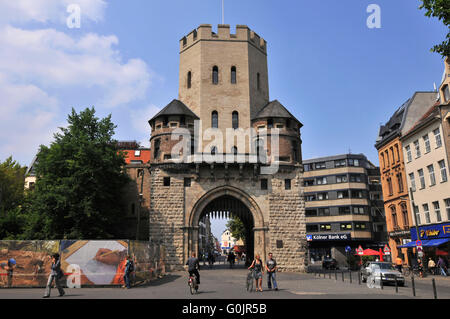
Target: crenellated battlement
pixel 204 32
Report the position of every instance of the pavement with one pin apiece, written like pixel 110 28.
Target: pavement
pixel 224 283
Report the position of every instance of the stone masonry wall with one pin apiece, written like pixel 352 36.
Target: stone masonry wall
pixel 287 223
pixel 167 215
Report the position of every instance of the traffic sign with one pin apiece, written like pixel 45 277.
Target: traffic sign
pixel 386 249
pixel 360 251
pixel 418 243
pixel 348 249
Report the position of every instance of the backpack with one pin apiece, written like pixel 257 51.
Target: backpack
pixel 131 266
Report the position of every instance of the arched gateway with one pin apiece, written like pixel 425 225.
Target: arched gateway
pixel 211 119
pixel 229 201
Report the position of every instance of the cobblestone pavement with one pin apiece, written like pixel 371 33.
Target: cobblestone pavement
pixel 224 283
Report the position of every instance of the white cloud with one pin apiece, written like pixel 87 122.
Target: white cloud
pixel 46 11
pixel 44 72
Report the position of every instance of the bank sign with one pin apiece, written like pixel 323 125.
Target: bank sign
pixel 323 237
pixel 432 232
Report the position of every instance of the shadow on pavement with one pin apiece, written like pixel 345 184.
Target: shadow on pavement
pixel 160 281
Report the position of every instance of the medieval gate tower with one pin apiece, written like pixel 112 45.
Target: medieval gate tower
pixel 223 148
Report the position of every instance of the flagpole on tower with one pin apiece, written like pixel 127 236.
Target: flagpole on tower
pixel 223 12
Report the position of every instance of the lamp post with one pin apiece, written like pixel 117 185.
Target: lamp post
pixel 411 197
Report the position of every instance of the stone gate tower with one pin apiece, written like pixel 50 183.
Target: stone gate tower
pixel 223 148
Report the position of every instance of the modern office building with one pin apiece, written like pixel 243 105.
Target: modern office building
pixel 343 204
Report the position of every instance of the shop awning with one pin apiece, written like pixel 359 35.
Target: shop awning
pixel 426 243
pixel 435 242
pixel 408 245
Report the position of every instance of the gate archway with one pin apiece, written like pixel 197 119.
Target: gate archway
pixel 227 201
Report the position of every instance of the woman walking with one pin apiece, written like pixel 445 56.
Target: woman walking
pixel 259 270
pixel 56 274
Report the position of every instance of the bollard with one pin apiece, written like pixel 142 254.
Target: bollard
pixel 381 281
pixel 359 277
pixel 350 274
pixel 329 275
pixel 396 285
pixel 342 276
pixel 335 273
pixel 434 288
pixel 413 285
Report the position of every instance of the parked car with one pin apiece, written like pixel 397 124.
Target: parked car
pixel 385 270
pixel 330 263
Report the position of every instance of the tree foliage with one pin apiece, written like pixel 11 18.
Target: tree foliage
pixel 12 178
pixel 439 9
pixel 236 227
pixel 80 180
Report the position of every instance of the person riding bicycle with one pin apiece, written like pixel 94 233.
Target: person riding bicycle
pixel 194 267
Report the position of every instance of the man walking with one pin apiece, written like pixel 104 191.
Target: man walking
pixel 56 274
pixel 271 267
pixel 441 264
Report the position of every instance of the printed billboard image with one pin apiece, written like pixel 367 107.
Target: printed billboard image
pixel 26 263
pixel 99 262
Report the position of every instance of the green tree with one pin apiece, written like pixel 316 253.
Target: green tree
pixel 236 227
pixel 80 181
pixel 12 179
pixel 439 9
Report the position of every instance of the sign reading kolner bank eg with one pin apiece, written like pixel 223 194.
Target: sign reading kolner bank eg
pixel 328 237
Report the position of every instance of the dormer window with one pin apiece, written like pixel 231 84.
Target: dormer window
pixel 446 91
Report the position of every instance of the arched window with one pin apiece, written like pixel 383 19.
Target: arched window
pixel 214 119
pixel 233 75
pixel 156 149
pixel 235 120
pixel 215 75
pixel 258 81
pixel 189 80
pixel 394 217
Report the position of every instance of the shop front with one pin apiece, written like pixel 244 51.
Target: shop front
pixel 321 246
pixel 434 239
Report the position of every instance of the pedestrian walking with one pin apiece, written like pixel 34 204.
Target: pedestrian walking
pixel 129 268
pixel 442 266
pixel 271 267
pixel 399 263
pixel 56 275
pixel 432 266
pixel 257 264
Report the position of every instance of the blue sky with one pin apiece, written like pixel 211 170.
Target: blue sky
pixel 337 76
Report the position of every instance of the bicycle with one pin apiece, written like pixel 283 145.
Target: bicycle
pixel 412 271
pixel 249 280
pixel 193 286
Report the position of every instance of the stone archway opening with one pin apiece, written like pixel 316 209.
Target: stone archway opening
pixel 228 206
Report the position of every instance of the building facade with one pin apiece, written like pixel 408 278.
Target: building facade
pixel 224 149
pixel 428 178
pixel 399 217
pixel 343 195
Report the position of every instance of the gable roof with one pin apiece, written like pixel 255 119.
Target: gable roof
pixel 176 107
pixel 275 109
